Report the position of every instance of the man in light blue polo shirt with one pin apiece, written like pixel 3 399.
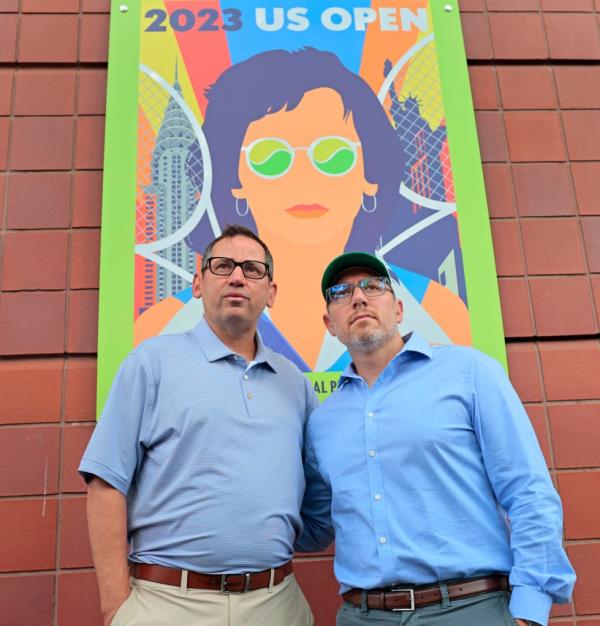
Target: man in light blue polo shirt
pixel 196 462
pixel 443 510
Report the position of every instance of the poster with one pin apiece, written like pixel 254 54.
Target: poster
pixel 322 128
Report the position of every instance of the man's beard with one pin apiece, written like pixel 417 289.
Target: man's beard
pixel 369 339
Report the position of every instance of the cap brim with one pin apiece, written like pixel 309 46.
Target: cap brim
pixel 348 261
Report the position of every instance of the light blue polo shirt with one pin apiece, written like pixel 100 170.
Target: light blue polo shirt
pixel 208 450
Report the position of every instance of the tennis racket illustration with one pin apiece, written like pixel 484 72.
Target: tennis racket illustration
pixel 419 124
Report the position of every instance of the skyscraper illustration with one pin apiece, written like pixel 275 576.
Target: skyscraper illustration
pixel 176 175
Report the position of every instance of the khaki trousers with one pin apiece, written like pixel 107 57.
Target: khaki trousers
pixel 154 604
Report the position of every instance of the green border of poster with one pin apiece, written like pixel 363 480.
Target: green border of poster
pixel 115 333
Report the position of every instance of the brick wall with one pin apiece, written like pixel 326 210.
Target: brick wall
pixel 535 72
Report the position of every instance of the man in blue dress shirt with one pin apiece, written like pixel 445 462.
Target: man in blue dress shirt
pixel 196 462
pixel 426 468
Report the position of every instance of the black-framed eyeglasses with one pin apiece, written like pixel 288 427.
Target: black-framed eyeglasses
pixel 224 266
pixel 372 286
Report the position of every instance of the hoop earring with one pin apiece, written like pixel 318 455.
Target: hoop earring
pixel 372 209
pixel 237 208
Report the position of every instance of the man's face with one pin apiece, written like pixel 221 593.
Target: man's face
pixel 235 302
pixel 363 324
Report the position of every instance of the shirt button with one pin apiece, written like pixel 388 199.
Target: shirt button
pixel 245 376
pixel 377 496
pixel 382 540
pixel 250 396
pixel 370 414
pixel 371 452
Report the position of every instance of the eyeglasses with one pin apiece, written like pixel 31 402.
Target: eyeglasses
pixel 223 266
pixel 372 287
pixel 272 157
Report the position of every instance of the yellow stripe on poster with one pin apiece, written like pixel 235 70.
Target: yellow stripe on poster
pixel 160 52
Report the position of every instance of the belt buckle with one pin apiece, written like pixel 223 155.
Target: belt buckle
pixel 411 593
pixel 224 583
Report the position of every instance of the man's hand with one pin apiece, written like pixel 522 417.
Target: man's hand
pixel 107 525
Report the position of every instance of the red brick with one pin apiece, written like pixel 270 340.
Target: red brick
pixel 525 371
pixel 75 440
pixel 4 123
pixel 93 40
pixel 499 188
pixel 6 81
pixel 534 136
pixel 320 588
pixel 516 313
pixel 82 328
pixel 538 421
pixel 591 239
pixel 78 600
pixel 3 178
pixel 53 141
pixel 483 87
pixel 474 6
pixel 48 39
pixel 526 87
pixel 27 600
pixel 569 81
pixel 567 5
pixel 74 541
pixel 562 305
pixel 87 199
pixel 491 136
pixel 18 378
pixel 45 92
pixel 8 38
pixel 582 129
pixel 30 460
pixel 582 512
pixel 35 260
pixel 575 434
pixel 507 248
pixel 28 537
pixel 91 92
pixel 476 35
pixel 96 6
pixel 85 259
pixel 80 390
pixel 38 200
pixel 89 150
pixel 596 292
pixel 570 370
pixel 518 36
pixel 585 179
pixel 559 610
pixel 544 189
pixel 572 36
pixel 50 6
pixel 32 323
pixel 552 246
pixel 9 6
pixel 512 5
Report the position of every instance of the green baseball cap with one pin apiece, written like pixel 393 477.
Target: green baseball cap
pixel 351 260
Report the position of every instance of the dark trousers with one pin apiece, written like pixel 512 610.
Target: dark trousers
pixel 486 609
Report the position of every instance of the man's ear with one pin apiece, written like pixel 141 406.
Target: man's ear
pixel 400 311
pixel 329 324
pixel 197 285
pixel 238 194
pixel 272 294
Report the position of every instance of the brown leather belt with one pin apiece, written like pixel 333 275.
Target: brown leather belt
pixel 225 583
pixel 408 598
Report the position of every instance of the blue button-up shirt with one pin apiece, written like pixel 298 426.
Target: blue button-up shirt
pixel 208 450
pixel 434 473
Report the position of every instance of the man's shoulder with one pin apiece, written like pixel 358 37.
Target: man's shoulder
pixel 282 364
pixel 159 345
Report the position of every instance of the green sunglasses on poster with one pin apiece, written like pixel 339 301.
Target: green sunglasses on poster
pixel 272 157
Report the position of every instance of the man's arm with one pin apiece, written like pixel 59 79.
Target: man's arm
pixel 107 525
pixel 541 573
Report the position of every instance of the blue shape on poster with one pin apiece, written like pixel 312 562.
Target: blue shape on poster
pixel 415 283
pixel 250 39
